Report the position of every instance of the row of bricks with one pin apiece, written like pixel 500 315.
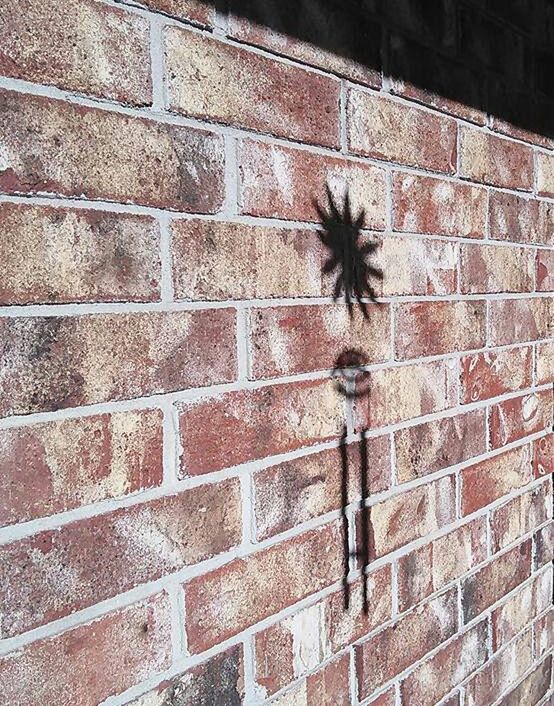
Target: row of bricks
pixel 64 255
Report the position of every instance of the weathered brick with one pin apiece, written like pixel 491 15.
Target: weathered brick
pixel 490 159
pixel 404 392
pixel 519 516
pixel 251 424
pixel 519 610
pixel 433 328
pixel 520 219
pixel 545 271
pixel 58 255
pixel 89 663
pixel 56 147
pixel 406 641
pixel 300 339
pixel 544 544
pixel 489 480
pixel 56 466
pixel 427 448
pixel 230 599
pixel 408 516
pixel 494 268
pixel 387 698
pixel 490 374
pixel 68 361
pixel 516 418
pixel 427 569
pixel 385 129
pixel 545 174
pixel 98 49
pixel 520 320
pixel 532 688
pixel 328 686
pixel 432 680
pixel 500 576
pixel 57 572
pixel 426 205
pixel 213 80
pixel 189 10
pixel 544 629
pixel 543 456
pixel 284 182
pixel 295 491
pixel 545 362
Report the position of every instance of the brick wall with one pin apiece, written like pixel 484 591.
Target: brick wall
pixel 176 521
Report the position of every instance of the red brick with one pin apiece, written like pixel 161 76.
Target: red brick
pixel 404 392
pixel 545 174
pixel 489 480
pixel 89 663
pixel 520 610
pixel 520 133
pixel 490 159
pixel 545 362
pixel 387 698
pixel 300 339
pixel 56 147
pixel 545 270
pixel 520 320
pixel 519 516
pixel 427 569
pixel 56 466
pixel 544 543
pixel 408 516
pixel 532 688
pixel 426 205
pixel 230 599
pixel 543 456
pixel 284 182
pixel 500 576
pixel 501 672
pixel 544 629
pixel 69 361
pixel 251 424
pixel 521 219
pixel 328 686
pixel 434 328
pixel 405 642
pixel 196 11
pixel 427 448
pixel 490 374
pixel 386 129
pixel 518 417
pixel 219 261
pixel 437 676
pixel 58 255
pixel 494 268
pixel 98 49
pixel 58 572
pixel 213 80
pixel 274 650
pixel 295 491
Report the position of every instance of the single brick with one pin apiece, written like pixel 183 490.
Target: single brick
pixel 532 689
pixel 493 581
pixel 230 599
pixel 405 642
pixel 489 480
pixel 426 205
pixel 55 147
pixel 545 362
pixel 433 328
pixel 89 663
pixel 493 268
pixel 408 516
pixel 490 159
pixel 544 629
pixel 386 129
pixel 519 516
pixel 213 80
pixel 100 50
pixel 251 424
pixel 404 392
pixel 427 448
pixel 284 182
pixel 543 456
pixel 57 255
pixel 56 466
pixel 74 360
pixel 58 572
pixel 520 219
pixel 219 261
pixel 300 339
pixel 519 417
pixel 545 174
pixel 521 320
pixel 433 679
pixel 427 569
pixel 490 374
pixel 520 610
pixel 196 11
pixel 545 271
pixel 544 543
pixel 329 686
pixel 294 491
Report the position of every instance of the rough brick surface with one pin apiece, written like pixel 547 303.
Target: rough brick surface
pixel 491 269
pixel 520 320
pixel 485 375
pixel 519 516
pixel 545 174
pixel 520 417
pixel 520 219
